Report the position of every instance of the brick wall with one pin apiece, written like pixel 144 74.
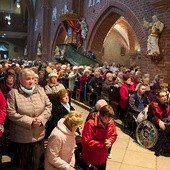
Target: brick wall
pixel 100 19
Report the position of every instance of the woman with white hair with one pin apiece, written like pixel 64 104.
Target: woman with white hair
pixel 119 79
pixel 106 86
pixel 72 79
pixel 28 110
pixel 84 80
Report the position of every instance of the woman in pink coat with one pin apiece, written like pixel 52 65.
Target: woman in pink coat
pixel 61 143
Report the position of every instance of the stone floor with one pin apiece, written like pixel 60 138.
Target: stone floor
pixel 126 153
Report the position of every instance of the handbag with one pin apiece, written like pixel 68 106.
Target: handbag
pixel 142 115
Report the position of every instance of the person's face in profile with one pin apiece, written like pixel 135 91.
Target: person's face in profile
pixel 65 99
pixel 128 81
pixel 28 81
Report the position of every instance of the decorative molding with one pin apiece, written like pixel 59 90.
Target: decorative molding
pixel 155 58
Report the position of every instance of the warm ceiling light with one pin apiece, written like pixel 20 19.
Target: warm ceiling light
pixel 18 4
pixel 8 17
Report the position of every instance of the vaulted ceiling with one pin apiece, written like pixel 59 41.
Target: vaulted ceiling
pixel 14 20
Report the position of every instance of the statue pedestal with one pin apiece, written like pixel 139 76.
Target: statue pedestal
pixel 155 58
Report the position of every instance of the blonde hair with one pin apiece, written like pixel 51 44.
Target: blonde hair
pixel 73 118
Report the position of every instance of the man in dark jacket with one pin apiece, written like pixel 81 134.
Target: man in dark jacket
pixel 95 87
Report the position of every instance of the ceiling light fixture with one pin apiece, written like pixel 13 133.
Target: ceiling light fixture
pixel 18 4
pixel 8 17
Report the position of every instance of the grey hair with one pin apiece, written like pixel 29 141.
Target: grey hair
pixel 25 72
pixel 109 75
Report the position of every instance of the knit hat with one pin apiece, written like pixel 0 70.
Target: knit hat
pixel 100 103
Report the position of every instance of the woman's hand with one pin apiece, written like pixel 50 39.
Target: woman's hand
pixel 108 144
pixel 36 122
pixel 71 168
pixel 162 125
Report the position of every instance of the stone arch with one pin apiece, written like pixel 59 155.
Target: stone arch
pixel 59 37
pixel 4 49
pixel 110 14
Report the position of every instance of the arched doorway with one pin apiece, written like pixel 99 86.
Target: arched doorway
pixel 60 38
pixel 4 48
pixel 116 36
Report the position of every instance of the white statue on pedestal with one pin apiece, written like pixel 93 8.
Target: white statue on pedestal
pixel 39 53
pixel 155 28
pixel 25 51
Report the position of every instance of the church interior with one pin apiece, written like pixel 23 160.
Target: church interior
pixel 126 35
pixel 115 31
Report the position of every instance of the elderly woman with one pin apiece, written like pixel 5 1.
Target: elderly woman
pixel 106 86
pixel 63 107
pixel 28 110
pixel 61 143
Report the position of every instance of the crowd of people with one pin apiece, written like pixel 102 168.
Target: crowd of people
pixel 26 110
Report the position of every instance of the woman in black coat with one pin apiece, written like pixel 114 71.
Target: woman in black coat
pixel 63 107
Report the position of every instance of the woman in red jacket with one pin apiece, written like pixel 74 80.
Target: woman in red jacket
pixel 3 113
pixel 125 90
pixel 98 135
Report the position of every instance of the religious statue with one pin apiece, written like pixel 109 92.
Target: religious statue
pixel 84 28
pixel 62 54
pixel 155 28
pixel 39 53
pixel 25 51
pixel 57 51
